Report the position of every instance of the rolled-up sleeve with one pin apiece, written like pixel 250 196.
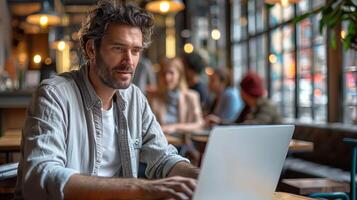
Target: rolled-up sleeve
pixel 159 156
pixel 42 172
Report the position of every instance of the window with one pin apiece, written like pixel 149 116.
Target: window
pixel 292 57
pixel 350 87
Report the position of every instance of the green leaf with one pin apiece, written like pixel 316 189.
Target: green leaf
pixel 352 28
pixel 268 6
pixel 301 17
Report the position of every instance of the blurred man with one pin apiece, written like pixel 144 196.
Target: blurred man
pixel 259 109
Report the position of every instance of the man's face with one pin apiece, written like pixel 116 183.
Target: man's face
pixel 118 55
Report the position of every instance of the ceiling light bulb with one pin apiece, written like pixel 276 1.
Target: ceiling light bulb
pixel 37 59
pixel 61 45
pixel 188 48
pixel 43 20
pixel 215 34
pixel 164 6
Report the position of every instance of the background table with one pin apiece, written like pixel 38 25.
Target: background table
pixel 287 196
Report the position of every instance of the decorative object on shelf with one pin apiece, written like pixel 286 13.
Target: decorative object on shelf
pixel 165 6
pixel 333 14
pixel 45 17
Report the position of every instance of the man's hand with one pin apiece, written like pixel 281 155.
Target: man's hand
pixel 91 187
pixel 175 187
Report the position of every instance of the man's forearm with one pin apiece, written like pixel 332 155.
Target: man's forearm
pixel 184 169
pixel 89 187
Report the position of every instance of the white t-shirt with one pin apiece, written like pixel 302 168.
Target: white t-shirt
pixel 110 164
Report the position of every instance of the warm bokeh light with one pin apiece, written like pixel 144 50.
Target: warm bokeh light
pixel 285 3
pixel 43 20
pixel 48 61
pixel 37 59
pixel 164 6
pixel 209 71
pixel 215 34
pixel 343 34
pixel 188 48
pixel 272 58
pixel 61 45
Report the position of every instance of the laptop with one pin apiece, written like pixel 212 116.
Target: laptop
pixel 243 162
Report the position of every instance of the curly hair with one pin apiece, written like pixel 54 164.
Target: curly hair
pixel 109 11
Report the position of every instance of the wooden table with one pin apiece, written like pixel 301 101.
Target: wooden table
pixel 295 145
pixel 287 196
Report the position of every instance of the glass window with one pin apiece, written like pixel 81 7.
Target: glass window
pixel 350 87
pixel 275 15
pixel 302 6
pixel 240 64
pixel 296 54
pixel 320 86
pixel 260 15
pixel 251 16
pixel 289 85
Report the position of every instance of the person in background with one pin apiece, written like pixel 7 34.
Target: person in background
pixel 87 130
pixel 144 76
pixel 259 109
pixel 227 103
pixel 177 107
pixel 194 66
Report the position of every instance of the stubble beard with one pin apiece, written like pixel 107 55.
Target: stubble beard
pixel 106 74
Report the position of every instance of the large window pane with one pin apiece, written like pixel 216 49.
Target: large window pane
pixel 240 64
pixel 320 86
pixel 239 21
pixel 276 67
pixel 304 33
pixel 289 85
pixel 276 16
pixel 350 87
pixel 251 16
pixel 305 84
pixel 260 16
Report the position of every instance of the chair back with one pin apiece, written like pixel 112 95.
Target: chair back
pixel 353 143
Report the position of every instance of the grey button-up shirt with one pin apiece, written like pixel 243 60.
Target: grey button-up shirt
pixel 63 131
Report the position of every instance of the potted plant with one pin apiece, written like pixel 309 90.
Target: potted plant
pixel 333 14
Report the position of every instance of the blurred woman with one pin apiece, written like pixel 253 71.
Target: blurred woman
pixel 176 107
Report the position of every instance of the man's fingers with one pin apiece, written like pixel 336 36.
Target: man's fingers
pixel 170 193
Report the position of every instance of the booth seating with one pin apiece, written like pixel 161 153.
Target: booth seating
pixel 329 163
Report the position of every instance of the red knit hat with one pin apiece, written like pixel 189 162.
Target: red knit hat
pixel 252 84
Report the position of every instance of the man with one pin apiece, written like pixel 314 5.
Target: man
pixel 87 128
pixel 194 65
pixel 259 109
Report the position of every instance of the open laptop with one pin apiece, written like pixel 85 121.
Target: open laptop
pixel 243 162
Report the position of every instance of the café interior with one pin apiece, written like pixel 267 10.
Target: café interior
pixel 304 53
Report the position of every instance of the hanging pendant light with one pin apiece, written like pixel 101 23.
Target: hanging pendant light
pixel 282 2
pixel 45 17
pixel 165 6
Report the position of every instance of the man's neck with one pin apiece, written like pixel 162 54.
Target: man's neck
pixel 104 92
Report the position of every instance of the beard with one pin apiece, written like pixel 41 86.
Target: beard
pixel 107 74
